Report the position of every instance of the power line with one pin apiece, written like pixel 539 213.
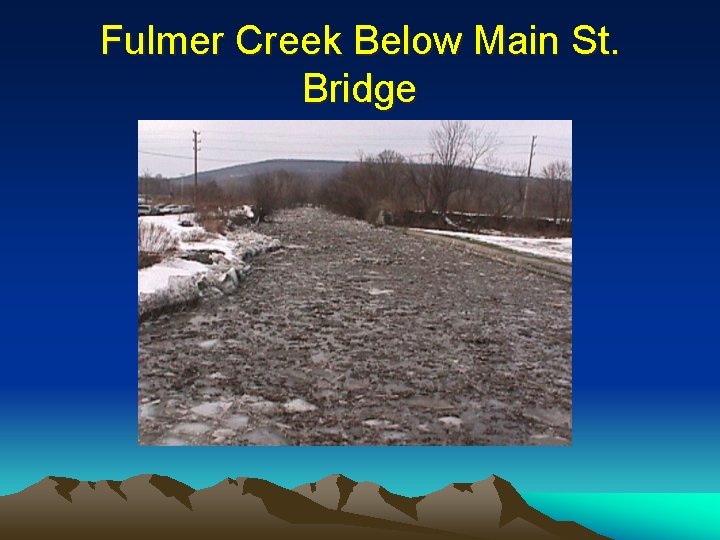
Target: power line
pixel 513 152
pixel 185 157
pixel 163 154
pixel 556 146
pixel 537 148
pixel 336 136
pixel 546 154
pixel 346 145
pixel 538 152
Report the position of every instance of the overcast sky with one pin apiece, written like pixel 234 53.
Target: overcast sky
pixel 165 146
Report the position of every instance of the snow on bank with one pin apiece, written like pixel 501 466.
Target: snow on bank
pixel 159 276
pixel 172 222
pixel 205 264
pixel 559 249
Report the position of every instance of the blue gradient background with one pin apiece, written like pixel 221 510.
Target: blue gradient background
pixel 645 293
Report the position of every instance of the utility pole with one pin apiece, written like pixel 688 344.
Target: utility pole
pixel 527 182
pixel 195 149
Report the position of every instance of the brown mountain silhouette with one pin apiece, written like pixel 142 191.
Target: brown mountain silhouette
pixel 150 506
pixel 366 498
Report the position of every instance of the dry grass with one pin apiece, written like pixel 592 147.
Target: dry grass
pixel 196 235
pixel 212 221
pixel 155 239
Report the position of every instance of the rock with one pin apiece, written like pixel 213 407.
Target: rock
pixel 234 276
pixel 204 256
pixel 380 219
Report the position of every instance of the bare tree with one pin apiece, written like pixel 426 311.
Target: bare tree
pixel 456 150
pixel 144 181
pixel 557 183
pixel 390 167
pixel 478 194
pixel 153 186
pixel 266 190
pixel 416 176
pixel 366 189
pixel 210 194
pixel 346 193
pixel 505 194
pixel 504 188
pixel 383 182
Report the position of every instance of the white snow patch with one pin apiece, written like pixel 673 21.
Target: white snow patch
pixel 379 292
pixel 299 406
pixel 559 249
pixel 244 210
pixel 208 343
pixel 378 423
pixel 162 275
pixel 172 223
pixel 450 421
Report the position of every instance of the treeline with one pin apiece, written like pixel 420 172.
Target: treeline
pixel 391 187
pixel 394 188
pixel 450 180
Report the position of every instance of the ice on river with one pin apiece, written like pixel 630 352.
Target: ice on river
pixel 299 406
pixel 212 409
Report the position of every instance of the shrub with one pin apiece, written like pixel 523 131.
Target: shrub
pixel 212 220
pixel 195 235
pixel 155 239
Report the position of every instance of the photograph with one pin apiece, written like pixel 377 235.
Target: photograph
pixel 355 282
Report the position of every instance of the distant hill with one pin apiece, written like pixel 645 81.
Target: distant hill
pixel 313 168
pixel 240 173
